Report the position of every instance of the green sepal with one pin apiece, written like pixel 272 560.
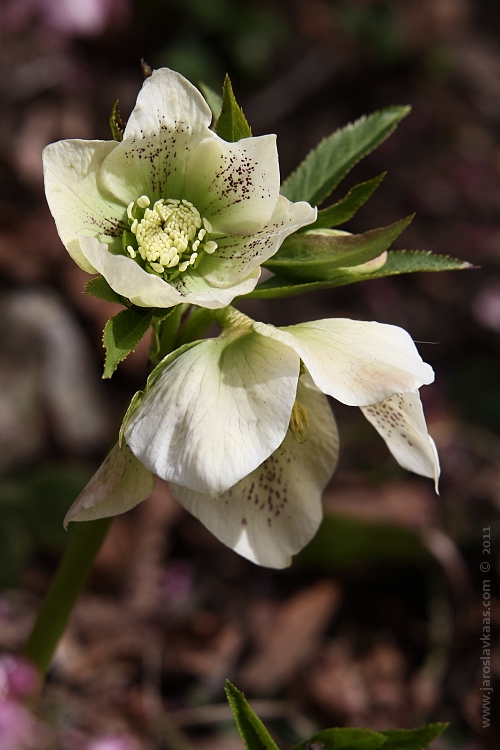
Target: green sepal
pixel 345 209
pixel 327 165
pixel 398 262
pixel 252 730
pixel 116 123
pixel 212 98
pixel 315 256
pixel 412 739
pixel 99 288
pixel 232 124
pixel 122 333
pixel 343 738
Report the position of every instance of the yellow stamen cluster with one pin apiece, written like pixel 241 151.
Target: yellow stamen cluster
pixel 170 236
pixel 299 422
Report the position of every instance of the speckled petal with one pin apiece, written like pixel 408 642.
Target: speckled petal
pixel 168 120
pixel 400 421
pixel 75 197
pixel 234 185
pixel 275 511
pixel 236 255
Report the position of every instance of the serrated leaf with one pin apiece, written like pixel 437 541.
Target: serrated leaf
pixel 324 167
pixel 254 733
pixel 232 124
pixel 398 262
pixel 99 288
pixel 345 209
pixel 341 738
pixel 116 123
pixel 121 335
pixel 412 739
pixel 212 98
pixel 312 256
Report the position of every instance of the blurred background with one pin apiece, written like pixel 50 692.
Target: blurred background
pixel 378 622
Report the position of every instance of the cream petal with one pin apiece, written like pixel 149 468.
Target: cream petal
pixel 234 185
pixel 119 484
pixel 275 511
pixel 168 120
pixel 215 412
pixel 237 255
pixel 144 289
pixel 400 421
pixel 357 362
pixel 76 200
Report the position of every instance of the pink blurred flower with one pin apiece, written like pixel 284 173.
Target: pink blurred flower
pixel 19 730
pixel 64 17
pixel 18 677
pixel 122 742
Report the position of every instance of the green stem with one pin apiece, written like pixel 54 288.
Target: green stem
pixel 64 591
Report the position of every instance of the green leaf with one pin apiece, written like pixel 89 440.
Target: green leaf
pixel 315 256
pixel 345 209
pixel 412 739
pixel 324 167
pixel 212 98
pixel 398 262
pixel 99 288
pixel 254 734
pixel 232 124
pixel 341 738
pixel 121 335
pixel 116 123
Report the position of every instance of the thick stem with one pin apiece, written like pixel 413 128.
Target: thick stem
pixel 64 591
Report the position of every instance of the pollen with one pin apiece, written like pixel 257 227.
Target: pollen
pixel 167 237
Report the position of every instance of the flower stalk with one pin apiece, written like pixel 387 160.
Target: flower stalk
pixel 64 590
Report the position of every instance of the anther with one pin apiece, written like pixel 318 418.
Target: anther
pixel 131 251
pixel 210 247
pixel 207 225
pixel 143 201
pixel 130 208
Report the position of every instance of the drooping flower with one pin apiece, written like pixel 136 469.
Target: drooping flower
pixel 248 444
pixel 172 213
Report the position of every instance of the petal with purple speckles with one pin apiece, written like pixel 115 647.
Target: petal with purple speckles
pixel 400 421
pixel 275 511
pixel 234 185
pixel 75 198
pixel 237 255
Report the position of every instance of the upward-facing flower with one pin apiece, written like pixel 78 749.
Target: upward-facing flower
pixel 172 213
pixel 248 444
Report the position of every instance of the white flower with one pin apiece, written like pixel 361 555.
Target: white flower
pixel 248 447
pixel 172 213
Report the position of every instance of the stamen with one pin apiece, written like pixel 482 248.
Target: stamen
pixel 131 251
pixel 211 247
pixel 207 225
pixel 143 201
pixel 299 422
pixel 130 208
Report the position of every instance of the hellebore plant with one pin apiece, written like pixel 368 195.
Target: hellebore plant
pixel 177 219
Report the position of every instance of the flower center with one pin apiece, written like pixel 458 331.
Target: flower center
pixel 167 238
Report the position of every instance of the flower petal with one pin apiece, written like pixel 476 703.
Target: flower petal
pixel 119 484
pixel 236 255
pixel 77 203
pixel 234 185
pixel 216 412
pixel 400 421
pixel 144 289
pixel 275 511
pixel 357 362
pixel 168 120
